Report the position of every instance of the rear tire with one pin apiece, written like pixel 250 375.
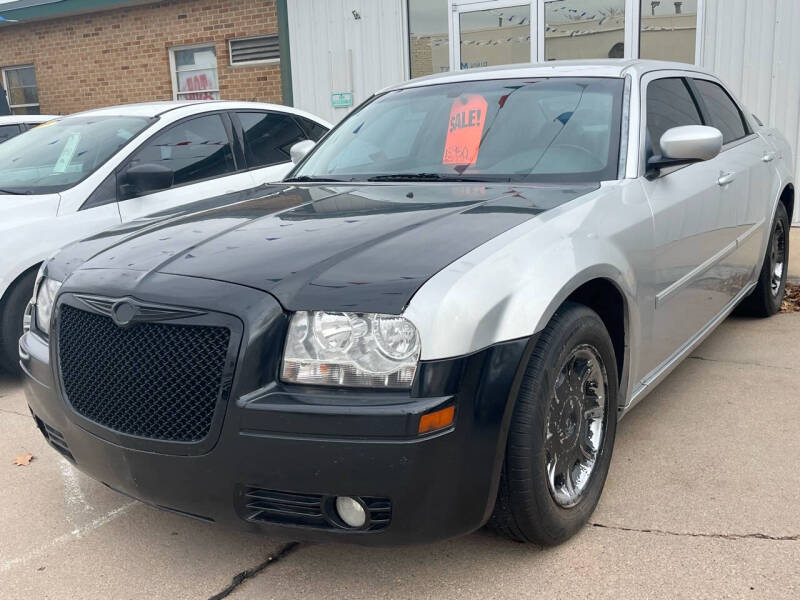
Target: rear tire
pixel 766 298
pixel 551 431
pixel 12 312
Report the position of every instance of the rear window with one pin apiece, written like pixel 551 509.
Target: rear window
pixel 724 113
pixel 313 130
pixel 268 137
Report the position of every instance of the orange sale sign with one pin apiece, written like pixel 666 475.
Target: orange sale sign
pixel 464 130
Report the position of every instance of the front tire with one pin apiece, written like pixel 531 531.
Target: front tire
pixel 562 431
pixel 766 298
pixel 12 312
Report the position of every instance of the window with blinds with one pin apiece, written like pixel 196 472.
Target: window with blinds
pixel 264 48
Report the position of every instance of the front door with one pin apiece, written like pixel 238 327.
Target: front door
pixel 200 153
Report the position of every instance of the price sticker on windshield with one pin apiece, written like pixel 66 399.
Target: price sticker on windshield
pixel 464 130
pixel 67 153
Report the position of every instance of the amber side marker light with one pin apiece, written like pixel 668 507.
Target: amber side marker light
pixel 437 420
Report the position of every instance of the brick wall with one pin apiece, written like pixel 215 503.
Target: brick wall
pixel 121 55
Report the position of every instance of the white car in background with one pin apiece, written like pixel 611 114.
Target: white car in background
pixel 81 174
pixel 11 126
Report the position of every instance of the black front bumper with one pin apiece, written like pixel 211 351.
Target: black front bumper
pixel 289 450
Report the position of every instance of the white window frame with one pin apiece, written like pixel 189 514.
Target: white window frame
pixel 633 28
pixel 266 61
pixel 457 9
pixel 176 93
pixel 6 88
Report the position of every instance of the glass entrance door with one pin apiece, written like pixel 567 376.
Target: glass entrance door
pixel 492 33
pixel 501 32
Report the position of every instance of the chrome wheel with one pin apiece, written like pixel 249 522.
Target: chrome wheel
pixel 575 424
pixel 777 257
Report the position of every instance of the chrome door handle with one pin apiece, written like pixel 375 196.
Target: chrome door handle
pixel 768 156
pixel 726 178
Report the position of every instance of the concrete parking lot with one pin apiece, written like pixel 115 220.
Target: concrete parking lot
pixel 701 502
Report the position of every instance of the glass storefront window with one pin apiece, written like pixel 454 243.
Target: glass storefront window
pixel 493 37
pixel 584 29
pixel 669 30
pixel 490 33
pixel 428 38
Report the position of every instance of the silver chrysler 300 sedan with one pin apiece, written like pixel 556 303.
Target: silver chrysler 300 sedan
pixel 434 323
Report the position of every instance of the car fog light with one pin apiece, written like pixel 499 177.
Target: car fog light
pixel 351 511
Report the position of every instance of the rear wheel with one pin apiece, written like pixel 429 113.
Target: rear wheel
pixel 12 312
pixel 766 298
pixel 562 431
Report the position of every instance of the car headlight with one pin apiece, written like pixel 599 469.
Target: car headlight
pixel 351 350
pixel 46 290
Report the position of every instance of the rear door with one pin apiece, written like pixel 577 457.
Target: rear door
pixel 267 138
pixel 746 175
pixel 691 229
pixel 200 151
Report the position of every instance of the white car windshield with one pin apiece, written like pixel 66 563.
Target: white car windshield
pixel 561 129
pixel 59 154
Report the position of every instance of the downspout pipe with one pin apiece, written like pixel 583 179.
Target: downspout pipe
pixel 286 59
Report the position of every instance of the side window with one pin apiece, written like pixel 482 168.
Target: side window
pixel 268 137
pixel 7 132
pixel 196 149
pixel 724 113
pixel 314 130
pixel 669 104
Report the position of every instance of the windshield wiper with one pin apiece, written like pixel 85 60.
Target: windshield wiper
pixel 434 177
pixel 408 177
pixel 13 193
pixel 307 178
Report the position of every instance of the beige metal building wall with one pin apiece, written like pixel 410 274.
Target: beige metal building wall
pixel 754 45
pixel 344 50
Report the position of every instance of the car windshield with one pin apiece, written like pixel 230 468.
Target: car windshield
pixel 57 155
pixel 563 129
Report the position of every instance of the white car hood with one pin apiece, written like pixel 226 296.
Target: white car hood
pixel 21 210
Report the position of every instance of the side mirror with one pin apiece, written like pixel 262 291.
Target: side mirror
pixel 685 145
pixel 148 177
pixel 299 150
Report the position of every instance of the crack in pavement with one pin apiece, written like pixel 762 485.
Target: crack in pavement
pixel 252 572
pixel 722 536
pixel 741 362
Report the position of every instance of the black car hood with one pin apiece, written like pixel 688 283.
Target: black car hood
pixel 363 248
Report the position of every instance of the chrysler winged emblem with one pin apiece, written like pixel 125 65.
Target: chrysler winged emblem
pixel 127 311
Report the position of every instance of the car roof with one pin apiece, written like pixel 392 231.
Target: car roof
pixel 189 107
pixel 555 68
pixel 14 119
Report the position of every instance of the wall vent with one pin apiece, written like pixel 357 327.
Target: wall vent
pixel 255 49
